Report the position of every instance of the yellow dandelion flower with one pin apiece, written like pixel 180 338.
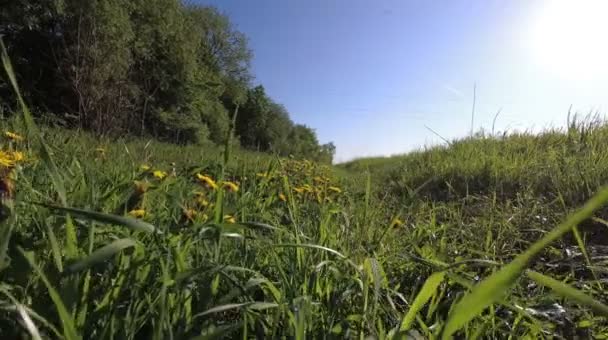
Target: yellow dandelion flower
pixel 137 213
pixel 282 197
pixel 396 223
pixel 230 186
pixel 144 167
pixel 18 156
pixel 207 181
pixel 159 174
pixel 6 159
pixel 13 136
pixel 335 189
pixel 229 219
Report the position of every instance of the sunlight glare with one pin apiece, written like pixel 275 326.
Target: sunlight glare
pixel 570 38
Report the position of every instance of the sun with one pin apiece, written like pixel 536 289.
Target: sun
pixel 570 38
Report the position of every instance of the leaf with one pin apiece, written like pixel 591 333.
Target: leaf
pixel 245 305
pixel 69 330
pixel 426 292
pixel 128 222
pixel 5 238
pixel 101 255
pixel 568 292
pixel 493 287
pixel 29 324
pixel 312 246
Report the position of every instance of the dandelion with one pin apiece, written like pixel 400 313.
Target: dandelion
pixel 137 213
pixel 230 186
pixel 396 223
pixel 335 189
pixel 13 136
pixel 159 174
pixel 207 181
pixel 144 168
pixel 229 219
pixel 6 159
pixel 18 156
pixel 282 197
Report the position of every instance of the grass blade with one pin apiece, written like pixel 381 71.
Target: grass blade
pixel 128 222
pixel 69 330
pixel 101 255
pixel 32 129
pixel 568 292
pixel 426 292
pixel 29 324
pixel 493 287
pixel 312 246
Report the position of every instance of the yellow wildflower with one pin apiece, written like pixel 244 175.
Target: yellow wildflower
pixel 207 181
pixel 335 189
pixel 282 197
pixel 18 156
pixel 202 202
pixel 230 186
pixel 229 219
pixel 144 167
pixel 6 159
pixel 137 213
pixel 159 174
pixel 13 136
pixel 396 223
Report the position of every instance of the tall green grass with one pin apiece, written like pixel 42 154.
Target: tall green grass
pixel 463 241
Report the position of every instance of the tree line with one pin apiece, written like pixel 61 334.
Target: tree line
pixel 160 68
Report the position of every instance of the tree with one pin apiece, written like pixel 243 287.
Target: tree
pixel 155 67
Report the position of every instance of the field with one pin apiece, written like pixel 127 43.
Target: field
pixel 492 236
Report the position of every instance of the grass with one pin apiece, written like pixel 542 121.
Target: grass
pixel 488 237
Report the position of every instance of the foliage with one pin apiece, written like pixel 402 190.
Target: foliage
pixel 161 68
pixel 300 249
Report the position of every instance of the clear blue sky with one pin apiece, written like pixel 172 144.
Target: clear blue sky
pixel 370 75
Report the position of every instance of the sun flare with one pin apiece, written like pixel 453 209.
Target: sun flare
pixel 569 38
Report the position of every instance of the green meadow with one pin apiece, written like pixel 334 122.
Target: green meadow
pixel 489 236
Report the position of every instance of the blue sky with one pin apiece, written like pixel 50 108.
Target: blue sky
pixel 370 75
